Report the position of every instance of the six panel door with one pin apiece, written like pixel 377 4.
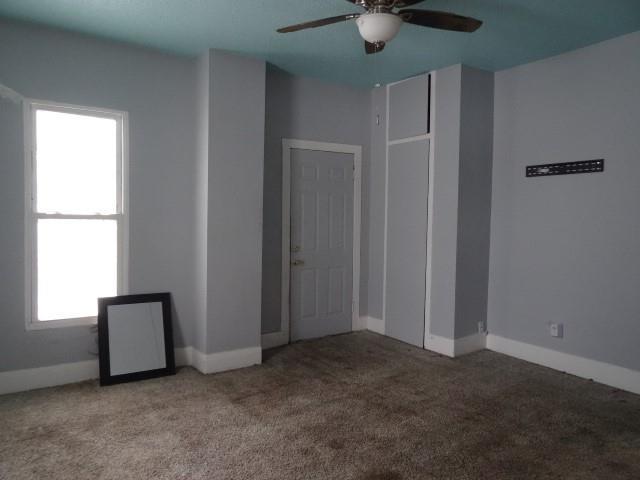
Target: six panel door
pixel 321 243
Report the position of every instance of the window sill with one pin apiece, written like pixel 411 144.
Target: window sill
pixel 66 322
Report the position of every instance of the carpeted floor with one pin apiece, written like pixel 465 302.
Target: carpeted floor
pixel 357 406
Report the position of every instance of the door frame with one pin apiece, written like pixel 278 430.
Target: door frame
pixel 282 337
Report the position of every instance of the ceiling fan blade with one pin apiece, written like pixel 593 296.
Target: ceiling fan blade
pixel 406 3
pixel 389 3
pixel 373 47
pixel 318 23
pixel 441 20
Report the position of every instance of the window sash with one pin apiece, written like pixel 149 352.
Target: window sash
pixel 119 117
pixel 32 215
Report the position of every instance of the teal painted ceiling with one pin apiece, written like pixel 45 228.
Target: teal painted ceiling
pixel 514 31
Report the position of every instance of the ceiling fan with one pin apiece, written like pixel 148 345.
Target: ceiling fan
pixel 382 20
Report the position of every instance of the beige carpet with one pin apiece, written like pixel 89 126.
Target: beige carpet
pixel 356 406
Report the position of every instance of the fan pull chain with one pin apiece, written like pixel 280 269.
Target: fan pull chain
pixel 376 75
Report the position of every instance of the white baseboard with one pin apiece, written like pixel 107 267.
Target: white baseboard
pixel 374 324
pixel 606 373
pixel 441 345
pixel 31 378
pixel 444 346
pixel 469 344
pixel 275 339
pixel 230 360
pixel 458 347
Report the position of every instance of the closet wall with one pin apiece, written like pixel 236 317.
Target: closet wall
pixel 407 189
pixel 430 204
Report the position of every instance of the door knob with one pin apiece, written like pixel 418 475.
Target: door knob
pixel 297 263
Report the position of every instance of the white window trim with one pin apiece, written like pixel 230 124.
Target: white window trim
pixel 31 216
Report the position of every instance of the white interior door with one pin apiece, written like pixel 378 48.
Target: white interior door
pixel 321 273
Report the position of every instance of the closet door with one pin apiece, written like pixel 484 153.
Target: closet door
pixel 408 181
pixel 409 108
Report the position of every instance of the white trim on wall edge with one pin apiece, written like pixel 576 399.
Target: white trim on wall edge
pixel 606 373
pixel 458 347
pixel 54 375
pixel 374 324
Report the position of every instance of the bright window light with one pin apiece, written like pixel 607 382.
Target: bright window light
pixel 77 263
pixel 76 163
pixel 76 211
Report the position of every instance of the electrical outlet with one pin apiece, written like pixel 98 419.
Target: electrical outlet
pixel 481 327
pixel 556 330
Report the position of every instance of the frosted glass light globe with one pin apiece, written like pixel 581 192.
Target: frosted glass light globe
pixel 378 27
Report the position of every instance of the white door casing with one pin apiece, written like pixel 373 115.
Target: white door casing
pixel 283 336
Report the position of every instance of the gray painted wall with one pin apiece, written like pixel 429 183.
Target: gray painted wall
pixel 461 200
pixel 446 172
pixel 306 109
pixel 234 204
pixel 461 194
pixel 565 249
pixel 474 200
pixel 377 178
pixel 158 92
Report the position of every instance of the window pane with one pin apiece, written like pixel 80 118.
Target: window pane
pixel 77 263
pixel 76 163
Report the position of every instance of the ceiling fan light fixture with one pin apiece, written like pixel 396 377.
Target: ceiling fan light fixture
pixel 378 27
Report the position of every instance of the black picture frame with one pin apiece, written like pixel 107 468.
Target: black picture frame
pixel 103 338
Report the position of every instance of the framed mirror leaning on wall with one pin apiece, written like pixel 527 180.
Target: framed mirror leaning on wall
pixel 135 337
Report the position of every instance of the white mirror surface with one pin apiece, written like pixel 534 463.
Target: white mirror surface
pixel 136 337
